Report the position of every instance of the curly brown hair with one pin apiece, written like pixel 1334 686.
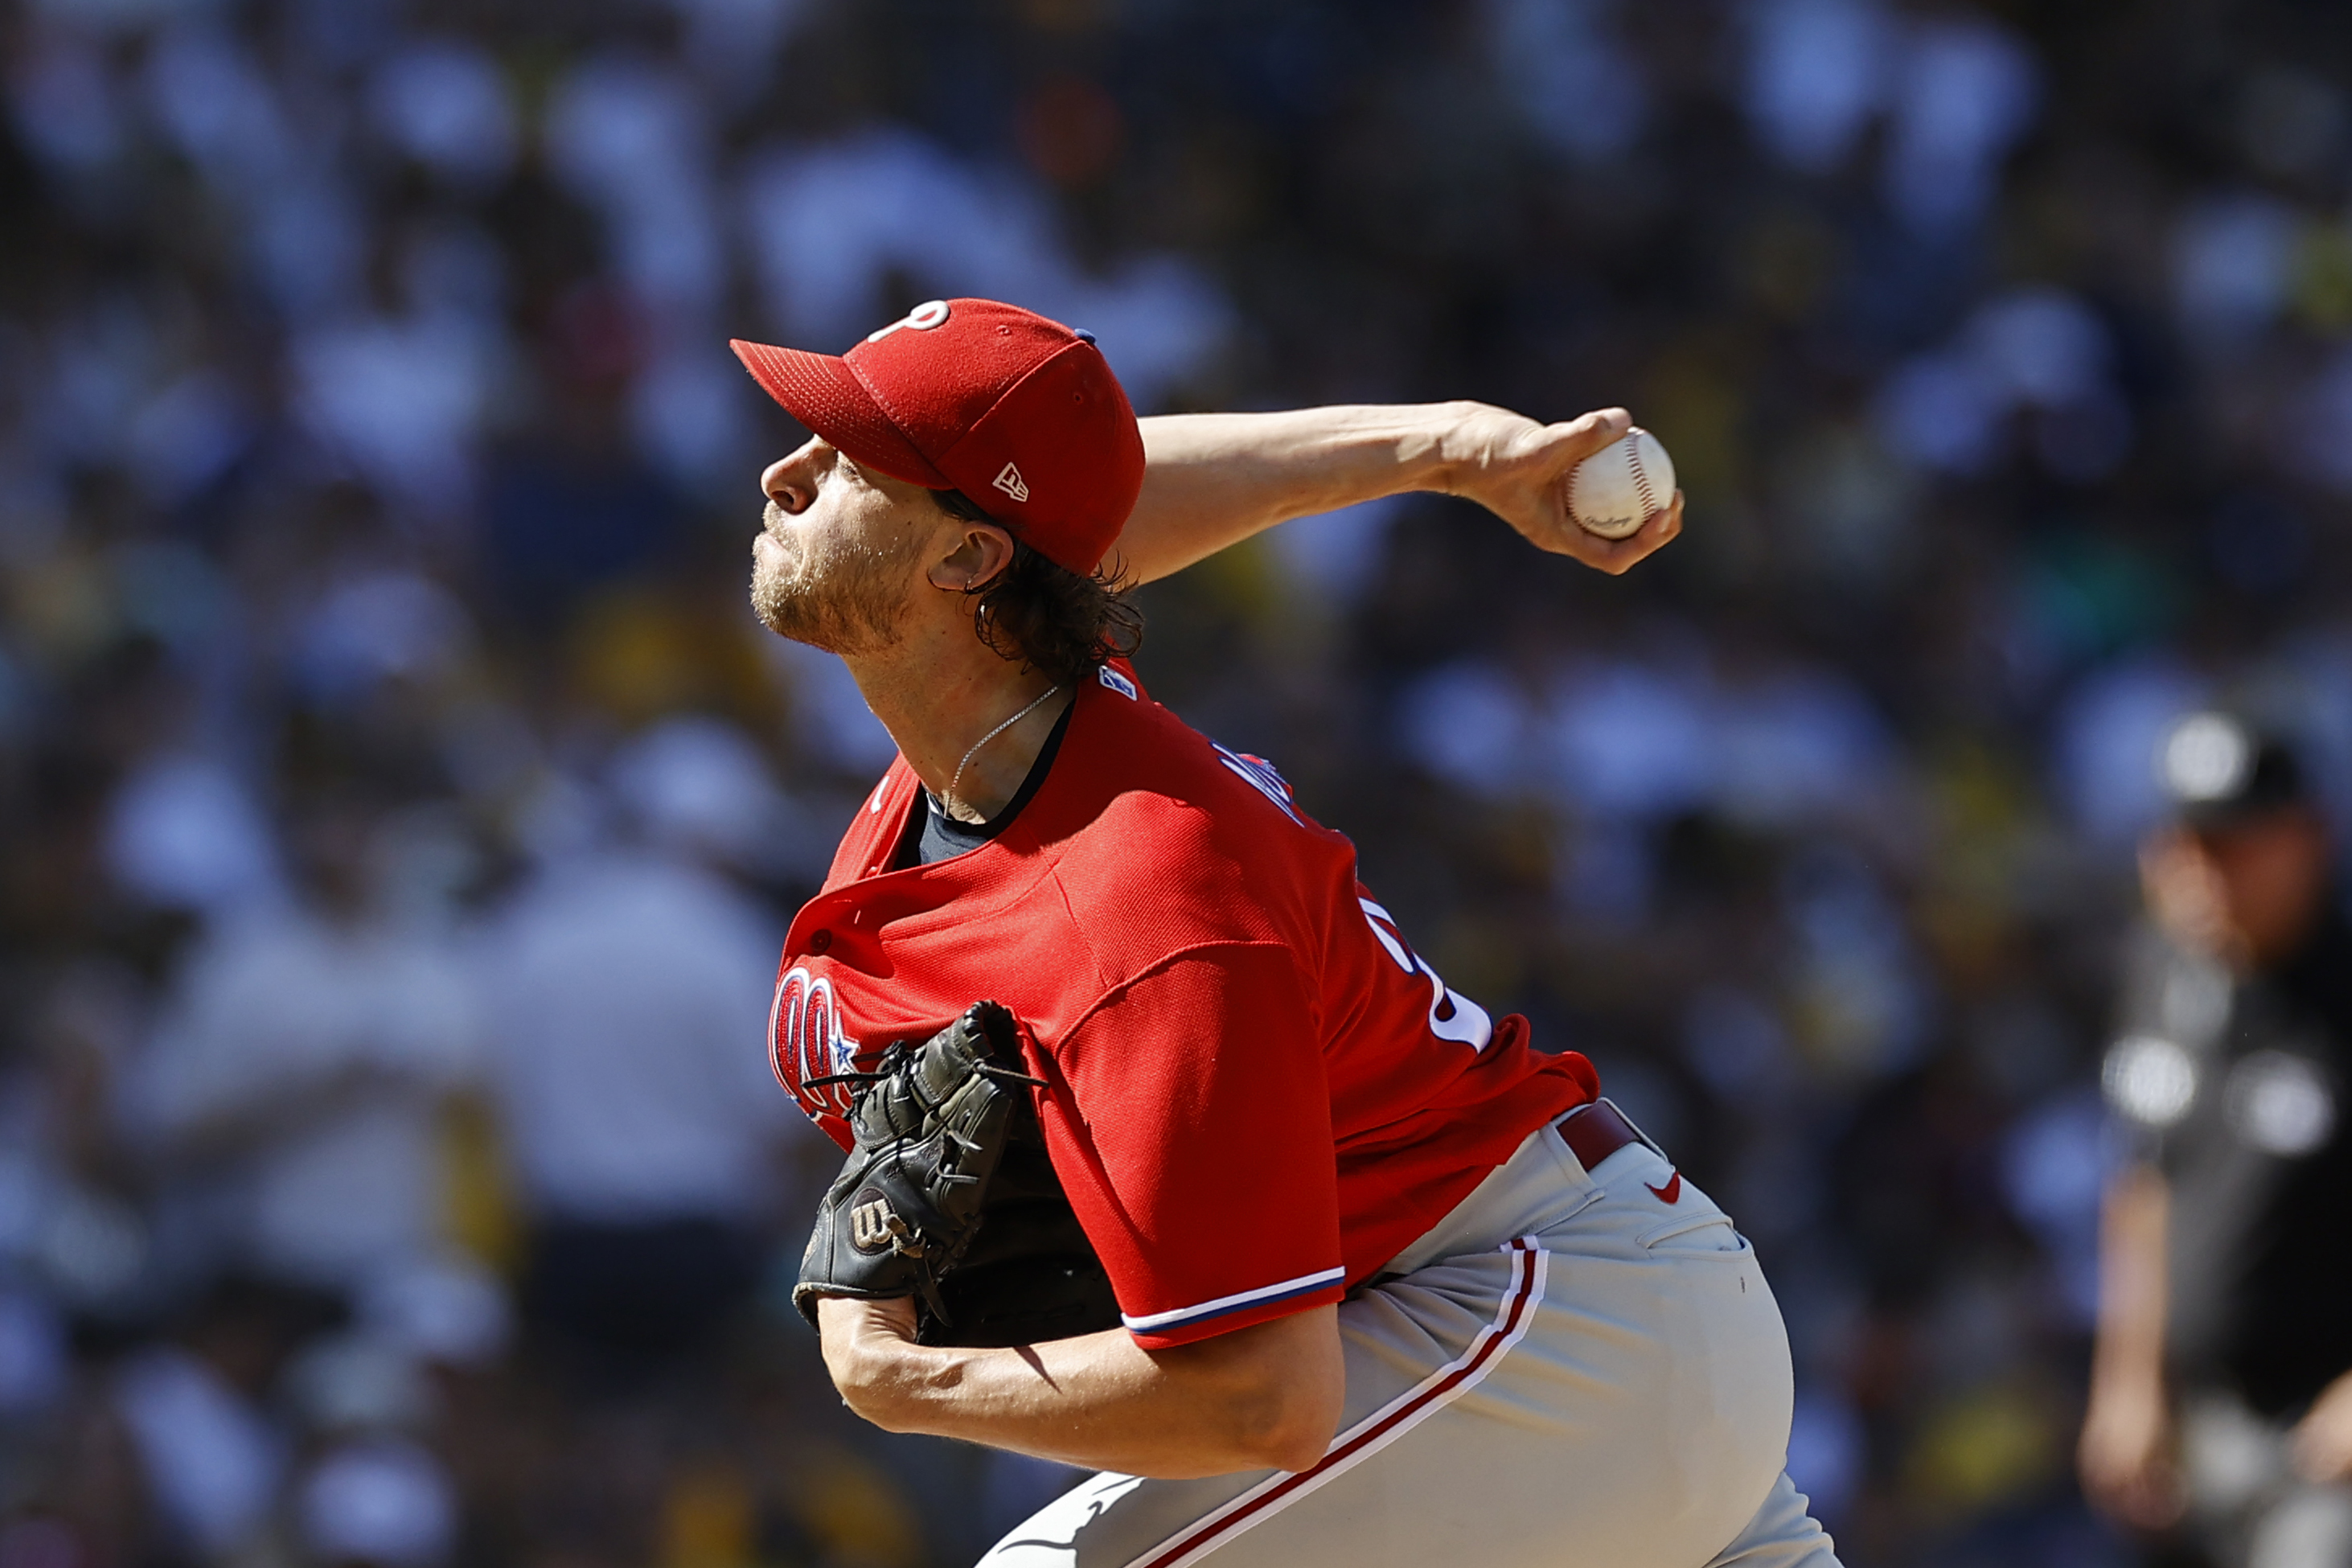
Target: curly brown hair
pixel 1045 616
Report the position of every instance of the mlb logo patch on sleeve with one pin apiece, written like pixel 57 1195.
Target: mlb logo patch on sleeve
pixel 1117 682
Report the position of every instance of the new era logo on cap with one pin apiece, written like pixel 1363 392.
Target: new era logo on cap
pixel 947 395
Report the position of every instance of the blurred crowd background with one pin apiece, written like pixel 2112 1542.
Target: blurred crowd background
pixel 402 808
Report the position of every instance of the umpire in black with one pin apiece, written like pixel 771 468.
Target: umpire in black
pixel 2222 1379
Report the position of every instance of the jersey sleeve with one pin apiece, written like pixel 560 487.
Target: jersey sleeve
pixel 1192 1127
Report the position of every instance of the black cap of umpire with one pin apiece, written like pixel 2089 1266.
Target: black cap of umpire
pixel 2220 768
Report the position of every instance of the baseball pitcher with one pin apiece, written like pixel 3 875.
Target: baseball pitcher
pixel 1168 1156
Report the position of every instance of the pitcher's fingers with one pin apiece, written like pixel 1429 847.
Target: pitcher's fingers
pixel 1619 556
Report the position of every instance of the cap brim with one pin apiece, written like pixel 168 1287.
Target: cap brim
pixel 823 393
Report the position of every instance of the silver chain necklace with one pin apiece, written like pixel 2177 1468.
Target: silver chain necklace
pixel 948 800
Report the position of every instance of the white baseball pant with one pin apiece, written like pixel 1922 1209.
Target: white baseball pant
pixel 1568 1370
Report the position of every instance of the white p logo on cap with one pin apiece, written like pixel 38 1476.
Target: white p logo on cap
pixel 922 317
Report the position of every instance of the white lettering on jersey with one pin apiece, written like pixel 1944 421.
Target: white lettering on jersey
pixel 1259 774
pixel 1451 1017
pixel 805 1041
pixel 922 317
pixel 1117 682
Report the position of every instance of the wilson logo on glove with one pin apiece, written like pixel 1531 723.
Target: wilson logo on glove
pixel 930 1123
pixel 873 1227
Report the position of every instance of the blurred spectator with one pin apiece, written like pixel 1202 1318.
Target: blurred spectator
pixel 184 834
pixel 298 1076
pixel 212 1457
pixel 378 1503
pixel 627 981
pixel 2222 1386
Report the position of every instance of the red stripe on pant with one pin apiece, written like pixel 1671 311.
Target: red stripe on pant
pixel 1498 1335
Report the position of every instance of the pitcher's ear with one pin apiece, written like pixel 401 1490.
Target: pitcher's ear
pixel 979 557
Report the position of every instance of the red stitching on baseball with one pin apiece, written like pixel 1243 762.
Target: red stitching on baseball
pixel 1641 475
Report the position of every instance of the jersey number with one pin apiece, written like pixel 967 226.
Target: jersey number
pixel 1451 1017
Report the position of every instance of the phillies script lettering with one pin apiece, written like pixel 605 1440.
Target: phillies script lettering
pixel 805 1040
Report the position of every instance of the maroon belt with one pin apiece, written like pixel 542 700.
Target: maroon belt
pixel 1594 1132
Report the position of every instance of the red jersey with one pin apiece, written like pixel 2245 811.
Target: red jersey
pixel 1259 1094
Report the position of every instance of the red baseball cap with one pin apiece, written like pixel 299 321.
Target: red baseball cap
pixel 1021 414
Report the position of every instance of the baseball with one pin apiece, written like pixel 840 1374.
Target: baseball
pixel 1612 492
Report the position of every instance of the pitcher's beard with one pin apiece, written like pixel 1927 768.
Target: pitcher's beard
pixel 844 599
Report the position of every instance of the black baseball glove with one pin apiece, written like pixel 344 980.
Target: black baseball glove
pixel 1030 1273
pixel 930 1123
pixel 948 1196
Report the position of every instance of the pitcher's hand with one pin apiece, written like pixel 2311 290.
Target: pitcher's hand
pixel 1518 471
